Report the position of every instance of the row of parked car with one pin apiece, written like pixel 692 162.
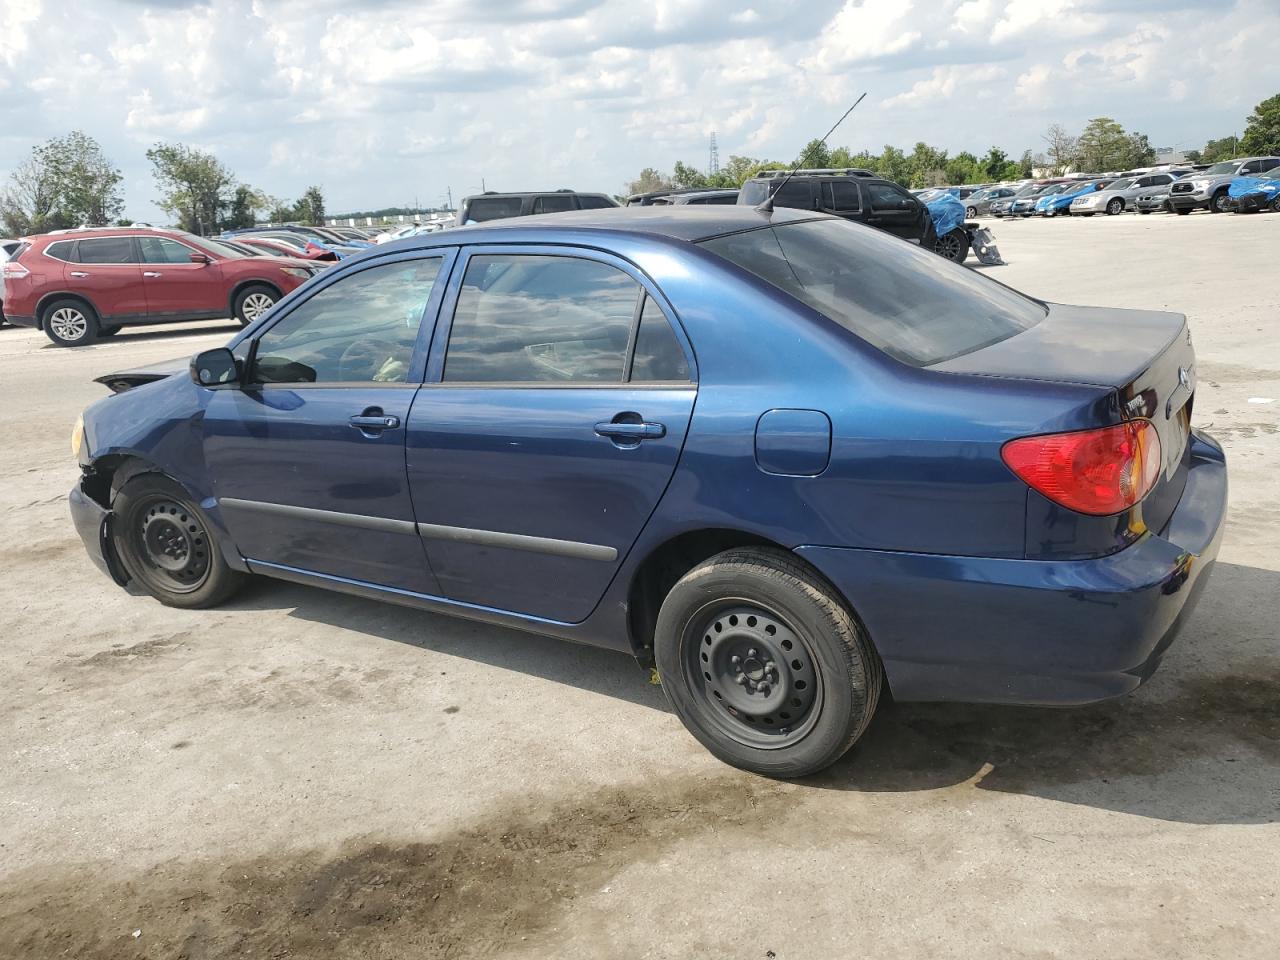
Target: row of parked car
pixel 82 285
pixel 1245 185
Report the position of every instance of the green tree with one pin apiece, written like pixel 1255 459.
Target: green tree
pixel 1061 147
pixel 66 182
pixel 310 208
pixel 993 163
pixel 815 154
pixel 893 165
pixel 1262 129
pixel 1191 156
pixel 1102 146
pixel 1224 149
pixel 1026 166
pixel 1141 153
pixel 686 177
pixel 649 181
pixel 926 166
pixel 196 187
pixel 738 169
pixel 964 167
pixel 246 204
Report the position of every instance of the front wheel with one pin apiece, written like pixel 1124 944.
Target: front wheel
pixel 165 545
pixel 1218 201
pixel 1114 206
pixel 1182 211
pixel 764 664
pixel 971 212
pixel 70 323
pixel 1275 204
pixel 252 302
pixel 953 246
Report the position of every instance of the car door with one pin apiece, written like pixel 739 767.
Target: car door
pixel 841 197
pixel 177 287
pixel 307 456
pixel 555 408
pixel 106 271
pixel 892 209
pixel 554 203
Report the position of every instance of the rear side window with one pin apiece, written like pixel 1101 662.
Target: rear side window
pixel 908 302
pixel 795 193
pixel 106 250
pixel 492 208
pixel 589 202
pixel 553 204
pixel 840 195
pixel 658 356
pixel 1269 164
pixel 63 250
pixel 530 319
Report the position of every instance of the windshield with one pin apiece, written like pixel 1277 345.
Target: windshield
pixel 1123 184
pixel 909 302
pixel 1053 190
pixel 1227 166
pixel 216 247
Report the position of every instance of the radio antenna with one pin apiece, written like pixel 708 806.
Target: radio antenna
pixel 766 205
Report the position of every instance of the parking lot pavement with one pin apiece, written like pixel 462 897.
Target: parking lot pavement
pixel 311 775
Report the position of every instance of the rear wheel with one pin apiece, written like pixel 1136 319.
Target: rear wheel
pixel 953 245
pixel 252 302
pixel 764 664
pixel 971 212
pixel 1114 206
pixel 164 543
pixel 70 323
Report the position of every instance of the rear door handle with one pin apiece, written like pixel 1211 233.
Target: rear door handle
pixel 145 273
pixel 631 431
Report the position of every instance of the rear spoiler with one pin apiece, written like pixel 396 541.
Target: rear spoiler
pixel 124 380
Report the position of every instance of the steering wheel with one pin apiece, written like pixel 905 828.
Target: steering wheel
pixel 365 359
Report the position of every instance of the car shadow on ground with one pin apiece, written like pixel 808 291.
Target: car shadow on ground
pixel 148 332
pixel 1199 744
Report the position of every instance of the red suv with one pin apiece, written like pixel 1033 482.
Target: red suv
pixel 79 285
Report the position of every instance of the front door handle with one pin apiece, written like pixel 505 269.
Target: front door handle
pixel 145 273
pixel 373 421
pixel 78 273
pixel 631 431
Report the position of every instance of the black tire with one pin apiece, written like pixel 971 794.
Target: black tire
pixel 1275 204
pixel 1217 200
pixel 165 544
pixel 104 331
pixel 61 320
pixel 1181 211
pixel 249 303
pixel 1144 212
pixel 953 246
pixel 971 212
pixel 741 614
pixel 1115 205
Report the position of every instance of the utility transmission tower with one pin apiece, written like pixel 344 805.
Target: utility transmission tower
pixel 713 167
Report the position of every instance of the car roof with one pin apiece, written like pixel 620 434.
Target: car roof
pixel 93 233
pixel 683 222
pixel 563 191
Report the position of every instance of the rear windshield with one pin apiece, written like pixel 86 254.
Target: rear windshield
pixel 754 192
pixel 908 302
pixel 492 208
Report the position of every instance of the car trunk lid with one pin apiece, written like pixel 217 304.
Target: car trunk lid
pixel 1144 356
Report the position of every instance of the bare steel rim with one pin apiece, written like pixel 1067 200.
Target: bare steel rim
pixel 171 544
pixel 255 305
pixel 948 246
pixel 69 323
pixel 752 674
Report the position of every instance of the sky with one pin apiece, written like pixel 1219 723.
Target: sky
pixel 384 102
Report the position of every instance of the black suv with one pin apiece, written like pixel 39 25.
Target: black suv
pixel 853 194
pixel 492 205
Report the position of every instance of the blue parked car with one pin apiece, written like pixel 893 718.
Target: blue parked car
pixel 1052 204
pixel 783 457
pixel 1254 194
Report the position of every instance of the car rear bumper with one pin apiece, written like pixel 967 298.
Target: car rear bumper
pixel 93 523
pixel 1033 631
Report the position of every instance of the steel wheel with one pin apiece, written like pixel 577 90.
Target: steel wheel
pixel 255 305
pixel 948 246
pixel 172 545
pixel 69 324
pixel 754 671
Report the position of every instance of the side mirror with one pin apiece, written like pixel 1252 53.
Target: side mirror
pixel 200 258
pixel 213 367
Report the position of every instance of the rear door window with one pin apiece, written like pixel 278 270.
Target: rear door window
pixel 557 203
pixel 797 194
pixel 541 319
pixel 658 356
pixel 841 196
pixel 107 250
pixel 492 208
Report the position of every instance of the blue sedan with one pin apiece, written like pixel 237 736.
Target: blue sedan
pixel 789 460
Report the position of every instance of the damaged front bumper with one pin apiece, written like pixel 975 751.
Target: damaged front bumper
pixel 983 245
pixel 93 523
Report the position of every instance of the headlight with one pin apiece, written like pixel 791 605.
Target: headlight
pixel 1199 184
pixel 77 437
pixel 297 272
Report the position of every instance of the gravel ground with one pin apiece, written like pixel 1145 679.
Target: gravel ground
pixel 302 774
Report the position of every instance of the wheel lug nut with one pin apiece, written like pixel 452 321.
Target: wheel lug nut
pixel 741 679
pixel 735 660
pixel 751 652
pixel 764 689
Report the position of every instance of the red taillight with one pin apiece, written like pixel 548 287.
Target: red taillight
pixel 1098 472
pixel 13 270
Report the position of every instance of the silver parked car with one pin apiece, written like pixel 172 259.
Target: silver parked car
pixel 1207 189
pixel 979 204
pixel 1121 195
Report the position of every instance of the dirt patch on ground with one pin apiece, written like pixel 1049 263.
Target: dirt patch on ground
pixel 469 893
